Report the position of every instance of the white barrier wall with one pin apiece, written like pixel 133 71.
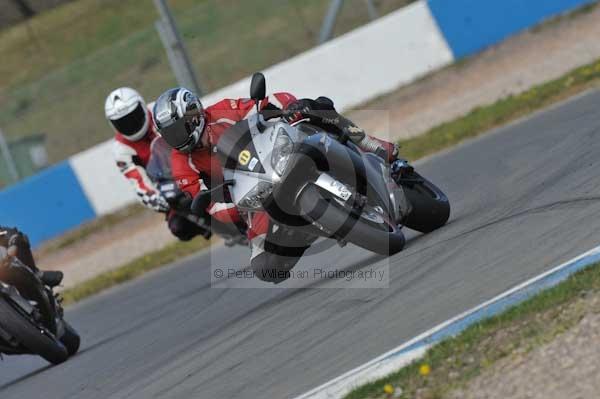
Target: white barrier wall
pixel 104 186
pixel 351 69
pixel 360 65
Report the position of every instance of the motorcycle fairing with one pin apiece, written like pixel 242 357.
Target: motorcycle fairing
pixel 236 150
pixel 322 153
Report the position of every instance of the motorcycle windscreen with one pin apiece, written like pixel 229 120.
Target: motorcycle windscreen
pixel 236 150
pixel 159 165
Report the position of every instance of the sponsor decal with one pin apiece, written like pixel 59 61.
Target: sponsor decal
pixel 253 163
pixel 331 121
pixel 244 157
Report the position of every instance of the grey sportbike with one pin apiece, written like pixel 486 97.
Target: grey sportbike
pixel 321 183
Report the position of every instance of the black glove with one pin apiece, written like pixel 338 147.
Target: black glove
pixel 298 110
pixel 182 201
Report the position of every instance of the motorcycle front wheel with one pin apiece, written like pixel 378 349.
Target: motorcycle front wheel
pixel 340 221
pixel 31 336
pixel 70 339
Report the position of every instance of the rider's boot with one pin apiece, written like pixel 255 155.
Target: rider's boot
pixel 21 249
pixel 401 169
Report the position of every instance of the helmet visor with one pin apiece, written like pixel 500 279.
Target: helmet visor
pixel 131 123
pixel 178 133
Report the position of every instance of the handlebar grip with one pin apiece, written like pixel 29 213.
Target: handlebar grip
pixel 271 113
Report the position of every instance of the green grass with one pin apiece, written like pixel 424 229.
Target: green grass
pixel 57 70
pixel 133 269
pixel 455 361
pixel 484 118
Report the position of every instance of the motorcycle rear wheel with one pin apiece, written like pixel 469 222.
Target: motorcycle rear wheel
pixel 430 206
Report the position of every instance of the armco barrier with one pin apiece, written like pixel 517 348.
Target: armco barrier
pixel 351 69
pixel 470 26
pixel 47 204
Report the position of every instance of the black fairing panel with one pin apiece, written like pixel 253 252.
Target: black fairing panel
pixel 232 143
pixel 362 171
pixel 320 152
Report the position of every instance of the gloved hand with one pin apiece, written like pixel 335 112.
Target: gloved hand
pixel 298 110
pixel 181 201
pixel 157 203
pixel 319 111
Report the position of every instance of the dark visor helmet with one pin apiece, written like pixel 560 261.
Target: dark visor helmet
pixel 126 111
pixel 179 118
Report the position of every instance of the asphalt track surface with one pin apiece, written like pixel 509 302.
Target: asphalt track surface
pixel 525 198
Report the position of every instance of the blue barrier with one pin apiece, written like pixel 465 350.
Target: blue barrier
pixel 472 25
pixel 46 205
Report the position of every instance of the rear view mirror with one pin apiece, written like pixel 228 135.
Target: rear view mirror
pixel 258 87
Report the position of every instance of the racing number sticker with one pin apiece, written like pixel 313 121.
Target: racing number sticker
pixel 244 157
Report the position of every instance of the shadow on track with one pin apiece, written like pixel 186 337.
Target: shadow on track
pixel 26 376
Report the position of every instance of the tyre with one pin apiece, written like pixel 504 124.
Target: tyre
pixel 70 339
pixel 430 206
pixel 378 236
pixel 31 336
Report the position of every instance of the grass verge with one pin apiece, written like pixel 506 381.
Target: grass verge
pixel 135 268
pixel 451 364
pixel 484 118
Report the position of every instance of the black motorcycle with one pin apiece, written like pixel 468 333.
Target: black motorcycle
pixel 31 317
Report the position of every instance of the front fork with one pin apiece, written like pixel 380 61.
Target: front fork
pixel 400 204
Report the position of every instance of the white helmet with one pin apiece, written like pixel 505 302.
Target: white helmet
pixel 126 111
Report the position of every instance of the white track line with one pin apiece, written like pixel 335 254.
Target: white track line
pixel 416 347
